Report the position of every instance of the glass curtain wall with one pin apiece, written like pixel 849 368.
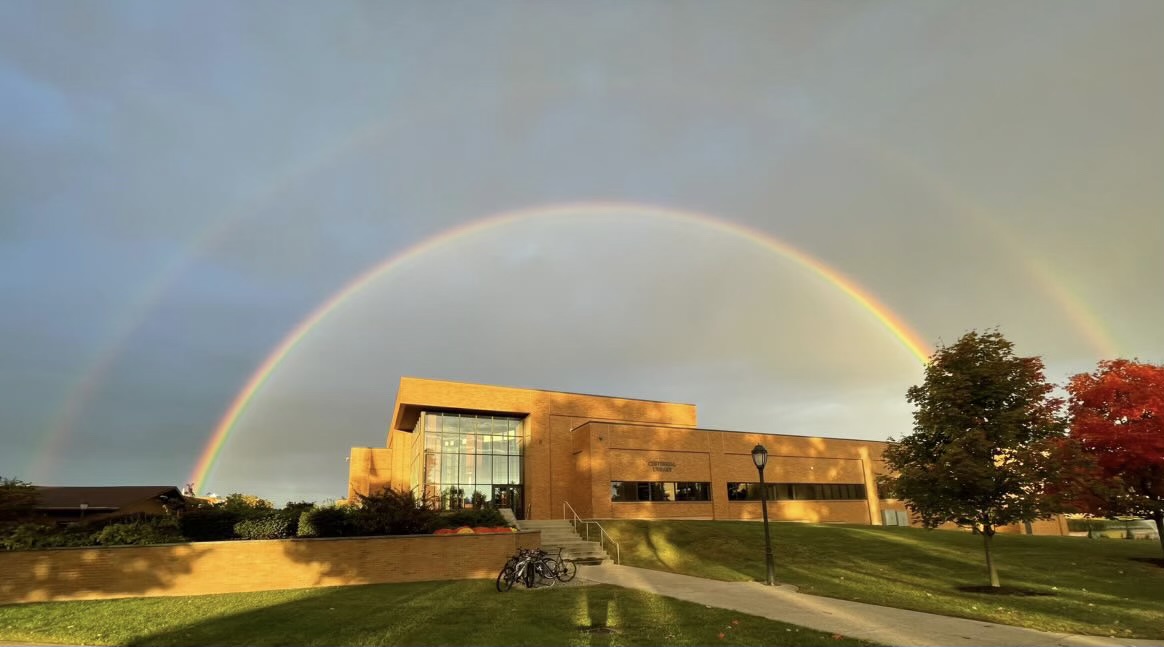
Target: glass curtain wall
pixel 466 460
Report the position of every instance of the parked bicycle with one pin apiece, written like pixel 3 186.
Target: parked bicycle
pixel 533 568
pixel 564 569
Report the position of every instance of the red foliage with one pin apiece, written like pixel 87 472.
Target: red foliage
pixel 1117 416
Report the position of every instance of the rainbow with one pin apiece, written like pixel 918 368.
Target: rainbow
pixel 1049 279
pixel 893 323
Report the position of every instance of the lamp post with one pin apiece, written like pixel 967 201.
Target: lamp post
pixel 760 458
pixel 84 507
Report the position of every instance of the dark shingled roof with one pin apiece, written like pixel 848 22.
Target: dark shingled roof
pixel 109 497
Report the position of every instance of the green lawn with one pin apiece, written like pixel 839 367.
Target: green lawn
pixel 427 613
pixel 1097 587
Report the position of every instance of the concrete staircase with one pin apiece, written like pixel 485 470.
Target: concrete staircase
pixel 560 534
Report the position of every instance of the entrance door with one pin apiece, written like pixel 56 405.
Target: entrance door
pixel 509 496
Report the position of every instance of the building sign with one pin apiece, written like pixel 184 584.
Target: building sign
pixel 661 466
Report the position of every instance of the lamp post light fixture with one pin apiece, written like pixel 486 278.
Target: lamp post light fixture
pixel 84 507
pixel 760 458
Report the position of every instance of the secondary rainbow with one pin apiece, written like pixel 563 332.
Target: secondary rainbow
pixel 893 323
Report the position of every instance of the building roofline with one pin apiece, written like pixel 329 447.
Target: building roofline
pixel 726 431
pixel 522 388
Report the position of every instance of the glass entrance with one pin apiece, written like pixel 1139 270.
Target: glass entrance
pixel 508 496
pixel 464 460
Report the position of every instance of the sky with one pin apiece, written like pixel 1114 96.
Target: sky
pixel 747 206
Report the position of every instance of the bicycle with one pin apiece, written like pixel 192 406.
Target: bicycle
pixel 530 567
pixel 564 569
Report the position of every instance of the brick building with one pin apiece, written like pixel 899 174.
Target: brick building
pixel 535 451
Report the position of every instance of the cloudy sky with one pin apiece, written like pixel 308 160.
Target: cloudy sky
pixel 183 184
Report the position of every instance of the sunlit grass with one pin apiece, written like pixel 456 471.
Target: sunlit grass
pixel 1092 587
pixel 428 613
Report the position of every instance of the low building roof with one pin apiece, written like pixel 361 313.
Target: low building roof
pixel 107 497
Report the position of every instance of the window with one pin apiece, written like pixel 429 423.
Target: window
pixel 628 491
pixel 457 455
pixel 798 491
pixel 692 491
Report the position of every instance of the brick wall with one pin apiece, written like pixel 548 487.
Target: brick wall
pixel 237 566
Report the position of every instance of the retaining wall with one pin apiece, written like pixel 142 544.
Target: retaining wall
pixel 238 566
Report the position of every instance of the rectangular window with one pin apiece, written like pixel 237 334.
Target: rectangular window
pixel 452 424
pixel 460 454
pixel 644 491
pixel 449 466
pixel 621 491
pixel 737 491
pixel 660 491
pixel 484 425
pixel 500 470
pixel 692 491
pixel 432 467
pixel 798 491
pixel 466 472
pixel 483 468
pixel 779 492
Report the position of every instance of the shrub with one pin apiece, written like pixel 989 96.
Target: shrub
pixel 1086 525
pixel 154 530
pixel 209 524
pixel 247 504
pixel 34 536
pixel 325 522
pixel 291 512
pixel 393 512
pixel 273 526
pixel 479 517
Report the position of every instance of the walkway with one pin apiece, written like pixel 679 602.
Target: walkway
pixel 884 625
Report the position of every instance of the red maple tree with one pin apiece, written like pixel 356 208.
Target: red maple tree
pixel 1117 417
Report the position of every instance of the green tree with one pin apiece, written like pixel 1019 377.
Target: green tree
pixel 246 503
pixel 984 450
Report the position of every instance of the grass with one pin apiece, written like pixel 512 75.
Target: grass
pixel 427 613
pixel 1095 587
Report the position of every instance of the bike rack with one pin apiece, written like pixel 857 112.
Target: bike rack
pixel 602 534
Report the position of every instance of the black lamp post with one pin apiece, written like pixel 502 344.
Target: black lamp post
pixel 760 458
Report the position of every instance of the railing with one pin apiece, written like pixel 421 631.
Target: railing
pixel 602 534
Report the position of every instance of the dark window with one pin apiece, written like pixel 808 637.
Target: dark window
pixel 797 491
pixel 737 491
pixel 692 491
pixel 644 491
pixel 624 491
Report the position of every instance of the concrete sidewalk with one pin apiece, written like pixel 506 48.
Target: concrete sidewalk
pixel 884 625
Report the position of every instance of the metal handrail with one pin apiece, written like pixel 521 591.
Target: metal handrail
pixel 575 520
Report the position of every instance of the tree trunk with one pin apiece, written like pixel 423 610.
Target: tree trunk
pixel 987 535
pixel 1158 517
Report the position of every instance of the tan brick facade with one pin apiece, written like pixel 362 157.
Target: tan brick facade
pixel 576 445
pixel 240 566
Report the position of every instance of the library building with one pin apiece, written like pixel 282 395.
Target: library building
pixel 543 453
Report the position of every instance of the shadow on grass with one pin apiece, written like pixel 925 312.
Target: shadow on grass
pixel 423 613
pixel 1154 561
pixel 1003 590
pixel 463 613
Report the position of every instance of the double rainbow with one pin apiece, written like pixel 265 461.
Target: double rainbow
pixel 889 320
